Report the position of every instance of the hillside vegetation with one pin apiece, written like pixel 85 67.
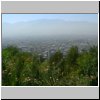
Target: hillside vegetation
pixel 28 69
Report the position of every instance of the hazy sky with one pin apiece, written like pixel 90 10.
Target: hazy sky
pixel 13 18
pixel 41 25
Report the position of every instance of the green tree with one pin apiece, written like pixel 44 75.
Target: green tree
pixel 72 55
pixel 88 64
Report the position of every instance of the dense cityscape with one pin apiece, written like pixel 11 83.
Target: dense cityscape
pixel 46 48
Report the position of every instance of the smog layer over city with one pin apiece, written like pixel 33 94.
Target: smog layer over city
pixel 43 33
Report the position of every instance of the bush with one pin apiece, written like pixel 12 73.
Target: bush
pixel 27 69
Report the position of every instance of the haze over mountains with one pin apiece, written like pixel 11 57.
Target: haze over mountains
pixel 50 28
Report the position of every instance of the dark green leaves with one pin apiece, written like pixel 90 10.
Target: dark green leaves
pixel 28 69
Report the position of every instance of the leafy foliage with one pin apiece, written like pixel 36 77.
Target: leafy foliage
pixel 28 69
